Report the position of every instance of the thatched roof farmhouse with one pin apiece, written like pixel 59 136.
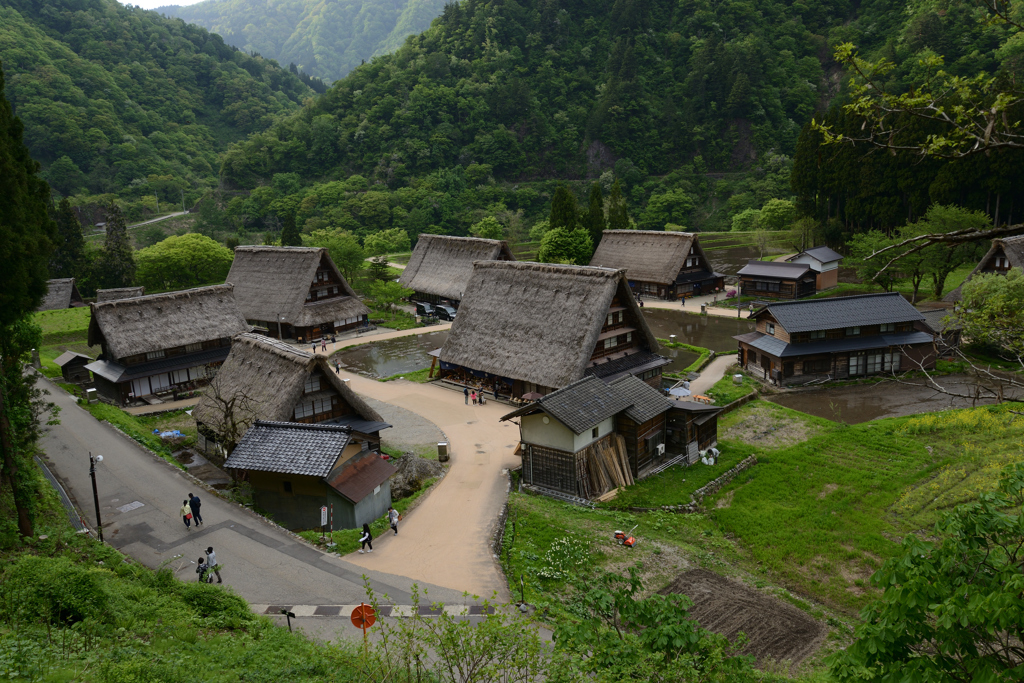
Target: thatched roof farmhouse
pixel 440 266
pixel 103 295
pixel 668 265
pixel 164 344
pixel 61 293
pixel 536 327
pixel 266 379
pixel 1004 254
pixel 294 292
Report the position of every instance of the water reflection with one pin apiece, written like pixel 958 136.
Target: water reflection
pixel 709 331
pixel 394 356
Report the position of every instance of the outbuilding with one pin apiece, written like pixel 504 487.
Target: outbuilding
pixel 666 265
pixel 441 266
pixel 777 280
pixel 824 262
pixel 72 367
pixel 1005 254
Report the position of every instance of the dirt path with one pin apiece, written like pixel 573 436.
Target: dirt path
pixel 714 371
pixel 693 306
pixel 446 540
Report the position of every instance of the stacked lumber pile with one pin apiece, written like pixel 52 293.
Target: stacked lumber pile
pixel 608 466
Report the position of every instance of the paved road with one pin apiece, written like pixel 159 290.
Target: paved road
pixel 265 564
pixel 157 220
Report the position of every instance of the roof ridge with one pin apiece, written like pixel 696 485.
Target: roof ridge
pixel 590 271
pixel 303 425
pixel 178 293
pixel 271 247
pixel 831 298
pixel 649 232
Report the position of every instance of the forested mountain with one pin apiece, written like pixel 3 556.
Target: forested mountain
pixel 115 99
pixel 324 38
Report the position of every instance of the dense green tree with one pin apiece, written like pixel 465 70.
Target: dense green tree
pixel 565 212
pixel 746 220
pixel 488 228
pixel 117 260
pixel 777 214
pixel 566 246
pixel 386 293
pixel 181 262
pixel 65 176
pixel 940 260
pixel 951 607
pixel 991 312
pixel 873 268
pixel 26 241
pixel 391 241
pixel 594 221
pixel 68 258
pixel 380 269
pixel 344 248
pixel 290 235
pixel 673 206
pixel 618 214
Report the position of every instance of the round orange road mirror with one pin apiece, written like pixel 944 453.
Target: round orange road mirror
pixel 364 616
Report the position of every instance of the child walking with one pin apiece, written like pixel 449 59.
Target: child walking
pixel 186 514
pixel 366 539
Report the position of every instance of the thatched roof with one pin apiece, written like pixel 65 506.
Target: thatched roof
pixel 162 321
pixel 271 375
pixel 442 265
pixel 646 255
pixel 536 322
pixel 119 293
pixel 61 293
pixel 1013 248
pixel 272 282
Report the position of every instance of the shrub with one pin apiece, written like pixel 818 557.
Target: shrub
pixel 54 587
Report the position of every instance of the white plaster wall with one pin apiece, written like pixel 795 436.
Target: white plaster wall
pixel 583 440
pixel 553 435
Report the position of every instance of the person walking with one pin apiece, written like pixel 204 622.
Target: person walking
pixel 465 392
pixel 393 519
pixel 211 559
pixel 366 539
pixel 337 367
pixel 201 569
pixel 193 504
pixel 323 344
pixel 473 396
pixel 186 514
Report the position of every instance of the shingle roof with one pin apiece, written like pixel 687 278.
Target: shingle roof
pixel 841 311
pixel 613 368
pixel 357 479
pixel 822 254
pixel 60 293
pixel 780 269
pixel 646 255
pixel 936 319
pixel 647 402
pixel 589 401
pixel 289 448
pixel 442 265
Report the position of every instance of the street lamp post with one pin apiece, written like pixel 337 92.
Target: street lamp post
pixel 95 495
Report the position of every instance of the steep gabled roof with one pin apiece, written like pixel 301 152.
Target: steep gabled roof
pixel 272 282
pixel 289 448
pixel 103 295
pixel 271 376
pixel 442 265
pixel 163 321
pixel 536 322
pixel 1013 248
pixel 61 293
pixel 775 269
pixel 645 255
pixel 68 356
pixel 357 478
pixel 821 254
pixel 841 311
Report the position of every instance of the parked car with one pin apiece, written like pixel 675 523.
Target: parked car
pixel 444 312
pixel 424 309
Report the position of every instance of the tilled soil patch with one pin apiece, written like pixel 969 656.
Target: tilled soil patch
pixel 775 630
pixel 763 425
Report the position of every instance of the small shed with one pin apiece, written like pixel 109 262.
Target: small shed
pixel 824 262
pixel 72 367
pixel 777 280
pixel 295 469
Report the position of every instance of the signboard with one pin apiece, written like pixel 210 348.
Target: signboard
pixel 323 516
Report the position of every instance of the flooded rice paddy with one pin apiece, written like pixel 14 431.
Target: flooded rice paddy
pixel 393 356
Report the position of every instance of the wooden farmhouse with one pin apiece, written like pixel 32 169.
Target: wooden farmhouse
pixel 590 437
pixel 61 293
pixel 799 342
pixel 667 265
pixel 162 345
pixel 103 295
pixel 441 266
pixel 1004 254
pixel 295 468
pixel 72 367
pixel 777 280
pixel 294 293
pixel 824 262
pixel 266 379
pixel 537 327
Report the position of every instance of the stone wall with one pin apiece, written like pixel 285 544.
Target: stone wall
pixel 712 487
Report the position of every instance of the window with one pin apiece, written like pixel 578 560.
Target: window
pixel 287 486
pixel 852 331
pixel 376 489
pixel 771 328
pixel 611 317
pixel 887 327
pixel 189 348
pixel 593 433
pixel 620 316
pixel 629 337
pixel 153 355
pixel 312 384
pixel 611 342
pixel 817 334
pixel 821 365
pixel 858 364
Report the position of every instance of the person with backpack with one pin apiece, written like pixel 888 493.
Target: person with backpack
pixel 193 504
pixel 393 518
pixel 201 569
pixel 211 560
pixel 366 539
pixel 186 514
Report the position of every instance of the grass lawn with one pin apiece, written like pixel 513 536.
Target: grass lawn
pixel 65 324
pixel 725 392
pixel 675 485
pixel 414 376
pixel 141 428
pixel 347 540
pixel 702 355
pixel 395 319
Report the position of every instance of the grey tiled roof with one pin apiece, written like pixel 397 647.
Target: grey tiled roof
pixel 823 254
pixel 780 269
pixel 583 404
pixel 935 318
pixel 842 311
pixel 780 349
pixel 647 401
pixel 289 448
pixel 634 362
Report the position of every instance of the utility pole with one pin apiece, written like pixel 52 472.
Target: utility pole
pixel 95 495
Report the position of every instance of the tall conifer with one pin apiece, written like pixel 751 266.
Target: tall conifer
pixel 290 235
pixel 618 217
pixel 564 210
pixel 67 258
pixel 595 223
pixel 118 260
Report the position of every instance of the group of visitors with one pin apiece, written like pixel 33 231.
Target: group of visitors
pixel 366 539
pixel 477 396
pixel 208 566
pixel 190 511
